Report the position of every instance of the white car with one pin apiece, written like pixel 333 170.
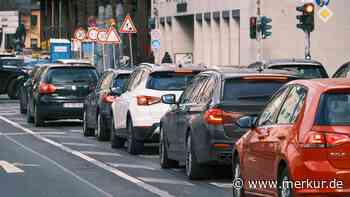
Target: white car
pixel 137 112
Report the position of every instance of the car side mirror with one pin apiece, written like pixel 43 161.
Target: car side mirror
pixel 116 91
pixel 169 99
pixel 246 122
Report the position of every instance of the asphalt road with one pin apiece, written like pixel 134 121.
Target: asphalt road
pixel 57 161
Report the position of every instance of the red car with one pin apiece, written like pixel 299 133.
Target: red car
pixel 299 145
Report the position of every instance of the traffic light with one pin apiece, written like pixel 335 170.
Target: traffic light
pixel 307 17
pixel 266 27
pixel 253 27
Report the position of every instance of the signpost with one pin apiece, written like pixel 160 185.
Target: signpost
pixel 129 28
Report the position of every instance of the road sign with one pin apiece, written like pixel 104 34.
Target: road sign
pixel 155 45
pixel 102 35
pixel 80 34
pixel 155 34
pixel 128 26
pixel 113 36
pixel 92 34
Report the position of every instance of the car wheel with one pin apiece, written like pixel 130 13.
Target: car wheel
pixel 22 108
pixel 30 118
pixel 237 179
pixel 194 170
pixel 165 162
pixel 102 133
pixel 86 130
pixel 116 142
pixel 134 147
pixel 38 119
pixel 284 189
pixel 12 90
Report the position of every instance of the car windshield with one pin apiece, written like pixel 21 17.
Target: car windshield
pixel 119 82
pixel 11 62
pixel 334 109
pixel 71 75
pixel 250 90
pixel 307 71
pixel 173 81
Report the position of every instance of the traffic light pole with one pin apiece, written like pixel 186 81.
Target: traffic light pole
pixel 259 33
pixel 307 45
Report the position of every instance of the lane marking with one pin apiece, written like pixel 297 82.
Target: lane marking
pixel 50 133
pixel 76 131
pixel 101 153
pixel 10 168
pixel 222 185
pixel 25 165
pixel 59 166
pixel 79 144
pixel 165 181
pixel 100 164
pixel 149 156
pixel 124 165
pixel 58 136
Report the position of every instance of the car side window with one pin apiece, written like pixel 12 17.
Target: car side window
pixel 101 81
pixel 197 89
pixel 206 92
pixel 292 106
pixel 191 92
pixel 132 79
pixel 343 72
pixel 269 114
pixel 188 91
pixel 106 81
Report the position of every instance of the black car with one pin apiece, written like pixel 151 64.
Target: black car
pixel 343 71
pixel 198 131
pixel 97 105
pixel 306 68
pixel 26 84
pixel 10 70
pixel 59 92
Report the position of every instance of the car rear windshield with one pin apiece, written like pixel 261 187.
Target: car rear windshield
pixel 307 71
pixel 13 62
pixel 250 90
pixel 120 81
pixel 71 75
pixel 170 81
pixel 334 109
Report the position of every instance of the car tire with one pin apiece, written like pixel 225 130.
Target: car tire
pixel 116 142
pixel 38 119
pixel 22 109
pixel 164 161
pixel 12 90
pixel 30 118
pixel 102 133
pixel 282 190
pixel 134 147
pixel 194 170
pixel 237 188
pixel 87 132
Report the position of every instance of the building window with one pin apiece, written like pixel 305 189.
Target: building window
pixel 34 43
pixel 34 20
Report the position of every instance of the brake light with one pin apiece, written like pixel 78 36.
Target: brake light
pixel 108 98
pixel 147 100
pixel 320 140
pixel 216 116
pixel 47 88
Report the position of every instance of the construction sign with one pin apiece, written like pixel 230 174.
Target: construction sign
pixel 113 36
pixel 128 26
pixel 80 34
pixel 92 34
pixel 102 35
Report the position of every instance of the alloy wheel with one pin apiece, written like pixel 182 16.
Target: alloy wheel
pixel 237 192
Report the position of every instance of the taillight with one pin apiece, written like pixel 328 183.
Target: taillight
pixel 47 88
pixel 147 100
pixel 323 140
pixel 216 116
pixel 108 98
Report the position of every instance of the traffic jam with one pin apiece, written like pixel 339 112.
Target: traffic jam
pixel 270 128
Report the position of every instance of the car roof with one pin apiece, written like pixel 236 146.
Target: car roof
pixel 235 71
pixel 120 71
pixel 12 58
pixel 325 84
pixel 68 65
pixel 73 61
pixel 290 61
pixel 171 67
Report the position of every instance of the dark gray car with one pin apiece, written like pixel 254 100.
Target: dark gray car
pixel 198 131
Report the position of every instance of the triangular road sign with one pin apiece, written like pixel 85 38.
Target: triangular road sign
pixel 113 36
pixel 128 26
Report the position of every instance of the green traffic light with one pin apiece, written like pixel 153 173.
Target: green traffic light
pixel 265 26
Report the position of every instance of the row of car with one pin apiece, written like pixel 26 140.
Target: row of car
pixel 203 118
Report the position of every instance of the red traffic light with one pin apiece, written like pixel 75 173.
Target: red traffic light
pixel 309 8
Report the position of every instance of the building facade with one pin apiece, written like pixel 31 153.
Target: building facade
pixel 217 32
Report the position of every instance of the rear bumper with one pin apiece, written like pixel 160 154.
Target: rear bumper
pixel 147 134
pixel 54 110
pixel 216 153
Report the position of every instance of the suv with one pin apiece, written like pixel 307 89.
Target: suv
pixel 59 92
pixel 198 131
pixel 306 68
pixel 10 69
pixel 137 112
pixel 97 105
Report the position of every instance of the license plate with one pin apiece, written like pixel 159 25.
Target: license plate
pixel 73 105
